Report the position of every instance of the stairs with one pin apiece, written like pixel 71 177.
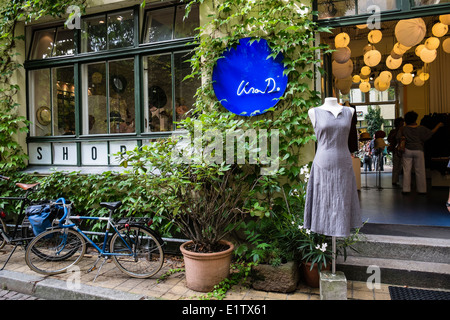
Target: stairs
pixel 405 259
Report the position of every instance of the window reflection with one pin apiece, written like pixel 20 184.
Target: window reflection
pixel 93 35
pixel 340 8
pixel 43 44
pixel 63 101
pixel 40 103
pixel 120 30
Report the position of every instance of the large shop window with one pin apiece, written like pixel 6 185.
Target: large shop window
pixel 108 103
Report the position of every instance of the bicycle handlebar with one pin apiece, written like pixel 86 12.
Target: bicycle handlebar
pixel 66 211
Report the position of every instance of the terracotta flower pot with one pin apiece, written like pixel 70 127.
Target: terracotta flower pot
pixel 312 277
pixel 205 270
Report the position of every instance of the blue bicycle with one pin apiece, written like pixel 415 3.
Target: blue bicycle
pixel 135 249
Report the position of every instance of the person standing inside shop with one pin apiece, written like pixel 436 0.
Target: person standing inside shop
pixel 396 158
pixel 415 137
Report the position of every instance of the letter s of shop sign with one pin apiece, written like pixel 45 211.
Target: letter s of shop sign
pixel 246 81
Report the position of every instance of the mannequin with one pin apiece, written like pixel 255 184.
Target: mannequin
pixel 330 104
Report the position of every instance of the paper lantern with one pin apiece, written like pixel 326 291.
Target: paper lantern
pixel 410 32
pixel 399 76
pixel 446 45
pixel 392 63
pixel 365 71
pixel 342 84
pixel 408 68
pixel 428 56
pixel 424 76
pixel 345 90
pixel 445 19
pixel 356 78
pixel 381 85
pixel 342 70
pixel 399 49
pixel 406 78
pixel 368 47
pixel 375 36
pixel 342 54
pixel 361 26
pixel 372 58
pixel 395 55
pixel 432 43
pixel 364 86
pixel 439 29
pixel 419 49
pixel 341 40
pixel 367 79
pixel 418 82
pixel 385 76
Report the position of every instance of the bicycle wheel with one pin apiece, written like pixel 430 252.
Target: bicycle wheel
pixel 54 251
pixel 3 227
pixel 138 252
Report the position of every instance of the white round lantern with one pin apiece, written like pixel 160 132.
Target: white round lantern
pixel 407 78
pixel 381 85
pixel 432 43
pixel 385 76
pixel 395 55
pixel 372 58
pixel 399 76
pixel 410 32
pixel 342 54
pixel 400 49
pixel 424 76
pixel 439 29
pixel 356 78
pixel 445 19
pixel 419 49
pixel 342 40
pixel 365 71
pixel 368 47
pixel 428 56
pixel 342 70
pixel 446 45
pixel 364 86
pixel 418 82
pixel 374 36
pixel 408 68
pixel 392 63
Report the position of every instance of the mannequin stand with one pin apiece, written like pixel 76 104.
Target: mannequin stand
pixel 333 285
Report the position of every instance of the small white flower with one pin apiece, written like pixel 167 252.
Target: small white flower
pixel 308 231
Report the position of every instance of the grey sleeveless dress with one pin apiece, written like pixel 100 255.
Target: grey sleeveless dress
pixel 332 204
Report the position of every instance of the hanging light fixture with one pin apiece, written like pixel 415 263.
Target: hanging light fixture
pixel 372 58
pixel 356 78
pixel 418 82
pixel 406 78
pixel 365 71
pixel 446 45
pixel 392 63
pixel 445 19
pixel 432 43
pixel 439 29
pixel 399 76
pixel 361 26
pixel 408 68
pixel 410 32
pixel 368 47
pixel 424 76
pixel 341 40
pixel 385 76
pixel 364 86
pixel 342 70
pixel 428 56
pixel 419 49
pixel 375 36
pixel 381 85
pixel 342 54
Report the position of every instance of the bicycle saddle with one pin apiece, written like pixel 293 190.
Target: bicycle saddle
pixel 26 186
pixel 111 205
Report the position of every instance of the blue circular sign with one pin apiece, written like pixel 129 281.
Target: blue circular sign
pixel 246 80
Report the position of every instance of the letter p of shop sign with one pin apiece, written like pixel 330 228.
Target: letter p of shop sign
pixel 246 80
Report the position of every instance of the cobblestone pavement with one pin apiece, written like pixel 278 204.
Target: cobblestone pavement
pixel 12 295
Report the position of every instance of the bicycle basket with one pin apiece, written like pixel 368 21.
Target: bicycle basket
pixel 40 217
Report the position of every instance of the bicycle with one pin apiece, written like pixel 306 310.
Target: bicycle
pixel 22 232
pixel 135 249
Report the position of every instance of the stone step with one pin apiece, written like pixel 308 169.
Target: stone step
pixel 436 250
pixel 396 271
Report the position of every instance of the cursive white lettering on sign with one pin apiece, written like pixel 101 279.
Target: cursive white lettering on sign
pixel 271 87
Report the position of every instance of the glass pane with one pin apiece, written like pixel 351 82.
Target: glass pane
pixel 120 30
pixel 40 104
pixel 420 3
pixel 384 5
pixel 184 90
pixel 121 96
pixel 94 103
pixel 63 101
pixel 93 34
pixel 338 8
pixel 159 25
pixel 158 93
pixel 43 44
pixel 186 27
pixel 64 42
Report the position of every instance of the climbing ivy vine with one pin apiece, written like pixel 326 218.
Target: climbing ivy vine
pixel 12 13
